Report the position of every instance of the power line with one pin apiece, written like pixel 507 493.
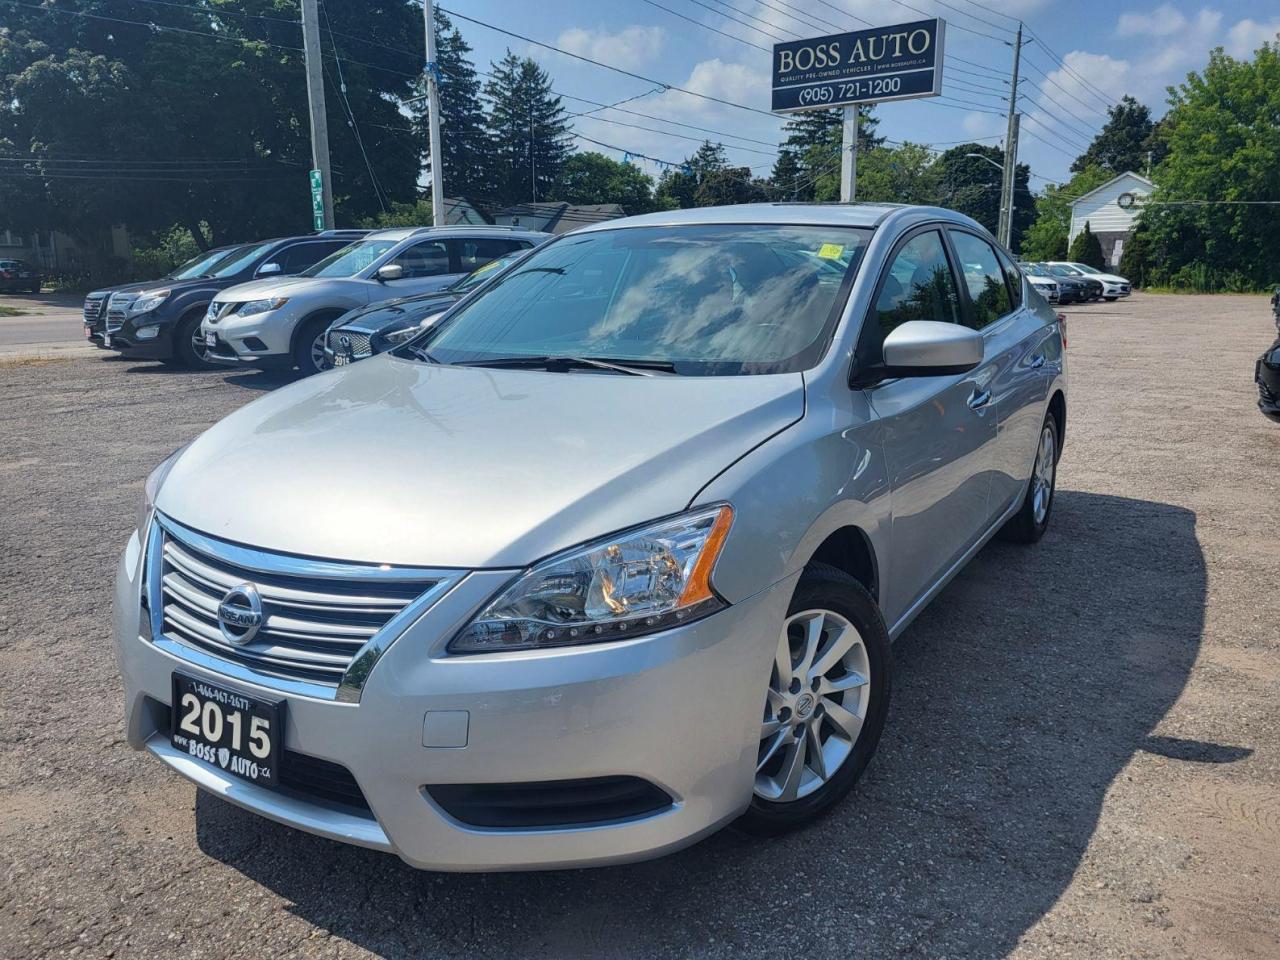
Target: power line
pixel 706 26
pixel 351 118
pixel 1109 101
pixel 772 36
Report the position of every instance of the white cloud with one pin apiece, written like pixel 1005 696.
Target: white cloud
pixel 983 125
pixel 629 48
pixel 1248 35
pixel 1160 22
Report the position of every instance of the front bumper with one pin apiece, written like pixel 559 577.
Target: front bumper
pixel 680 709
pixel 257 338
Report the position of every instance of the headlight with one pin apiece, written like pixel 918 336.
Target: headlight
pixel 251 307
pixel 152 487
pixel 628 585
pixel 148 300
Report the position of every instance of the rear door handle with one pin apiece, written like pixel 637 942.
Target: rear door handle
pixel 1037 361
pixel 979 400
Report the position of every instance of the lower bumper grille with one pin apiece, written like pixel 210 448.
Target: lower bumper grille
pixel 317 621
pixel 550 804
pixel 310 778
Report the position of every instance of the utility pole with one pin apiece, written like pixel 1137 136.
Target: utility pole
pixel 849 155
pixel 1005 230
pixel 319 124
pixel 433 117
pixel 533 160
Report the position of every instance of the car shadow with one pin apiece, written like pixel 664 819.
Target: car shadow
pixel 1020 695
pixel 250 378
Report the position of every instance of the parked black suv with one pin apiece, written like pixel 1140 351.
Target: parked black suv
pixel 160 319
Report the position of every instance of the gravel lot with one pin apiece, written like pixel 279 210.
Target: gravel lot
pixel 1081 761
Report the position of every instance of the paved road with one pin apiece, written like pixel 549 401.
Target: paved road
pixel 50 324
pixel 1081 759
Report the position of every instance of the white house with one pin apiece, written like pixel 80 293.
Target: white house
pixel 1110 211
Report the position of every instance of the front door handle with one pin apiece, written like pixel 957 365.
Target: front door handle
pixel 1037 361
pixel 979 400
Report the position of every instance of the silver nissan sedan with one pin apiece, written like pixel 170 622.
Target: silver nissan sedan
pixel 609 557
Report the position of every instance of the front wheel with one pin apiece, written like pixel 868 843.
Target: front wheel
pixel 189 348
pixel 825 705
pixel 308 348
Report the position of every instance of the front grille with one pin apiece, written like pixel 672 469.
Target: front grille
pixel 93 308
pixel 117 310
pixel 359 344
pixel 317 616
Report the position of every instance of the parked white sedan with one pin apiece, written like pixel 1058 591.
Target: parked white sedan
pixel 1113 287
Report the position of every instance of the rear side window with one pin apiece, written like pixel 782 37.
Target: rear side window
pixel 1013 276
pixel 477 252
pixel 427 259
pixel 919 286
pixel 988 293
pixel 298 257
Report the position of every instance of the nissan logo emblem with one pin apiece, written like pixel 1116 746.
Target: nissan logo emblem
pixel 240 614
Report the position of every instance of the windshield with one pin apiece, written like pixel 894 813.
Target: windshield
pixel 238 259
pixel 350 260
pixel 707 299
pixel 1061 271
pixel 480 274
pixel 1085 268
pixel 198 265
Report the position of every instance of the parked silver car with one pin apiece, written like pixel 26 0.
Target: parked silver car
pixel 612 554
pixel 282 321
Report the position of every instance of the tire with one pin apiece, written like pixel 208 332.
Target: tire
pixel 1032 519
pixel 845 611
pixel 186 351
pixel 304 342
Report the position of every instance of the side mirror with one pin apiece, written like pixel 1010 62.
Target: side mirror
pixel 390 271
pixel 927 348
pixel 267 269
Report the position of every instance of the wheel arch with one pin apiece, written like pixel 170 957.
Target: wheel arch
pixel 323 313
pixel 1058 407
pixel 850 550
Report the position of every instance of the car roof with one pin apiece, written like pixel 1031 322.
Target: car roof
pixel 855 214
pixel 457 230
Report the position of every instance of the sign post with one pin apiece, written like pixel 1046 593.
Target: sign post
pixel 317 200
pixel 899 62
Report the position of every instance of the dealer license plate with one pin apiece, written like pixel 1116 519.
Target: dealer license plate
pixel 106 339
pixel 241 735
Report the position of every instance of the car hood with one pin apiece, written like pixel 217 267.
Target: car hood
pixel 129 288
pixel 272 287
pixel 395 313
pixel 1109 277
pixel 396 461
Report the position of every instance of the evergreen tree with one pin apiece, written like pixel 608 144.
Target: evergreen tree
pixel 1124 142
pixel 679 188
pixel 1046 238
pixel 1087 248
pixel 812 149
pixel 466 142
pixel 528 131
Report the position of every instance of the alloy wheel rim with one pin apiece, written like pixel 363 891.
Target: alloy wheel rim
pixel 815 707
pixel 318 359
pixel 1042 475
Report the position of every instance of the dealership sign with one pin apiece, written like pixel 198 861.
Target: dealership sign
pixel 900 62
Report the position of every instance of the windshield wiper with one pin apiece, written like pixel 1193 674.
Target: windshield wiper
pixel 635 368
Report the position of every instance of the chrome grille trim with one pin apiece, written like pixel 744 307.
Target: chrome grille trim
pixel 93 307
pixel 326 623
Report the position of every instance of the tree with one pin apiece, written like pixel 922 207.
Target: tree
pixel 1087 248
pixel 1223 139
pixel 465 147
pixel 1124 142
pixel 679 187
pixel 528 130
pixel 811 150
pixel 1046 238
pixel 594 178
pixel 971 185
pixel 731 185
pixel 197 116
pixel 904 174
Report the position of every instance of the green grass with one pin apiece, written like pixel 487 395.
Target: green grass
pixel 12 312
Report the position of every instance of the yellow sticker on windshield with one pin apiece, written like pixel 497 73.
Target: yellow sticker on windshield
pixel 831 251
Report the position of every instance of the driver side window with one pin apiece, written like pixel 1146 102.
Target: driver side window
pixel 427 259
pixel 918 286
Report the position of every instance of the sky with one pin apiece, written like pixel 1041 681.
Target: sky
pixel 1081 57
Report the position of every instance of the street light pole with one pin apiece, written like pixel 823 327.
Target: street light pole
pixel 433 117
